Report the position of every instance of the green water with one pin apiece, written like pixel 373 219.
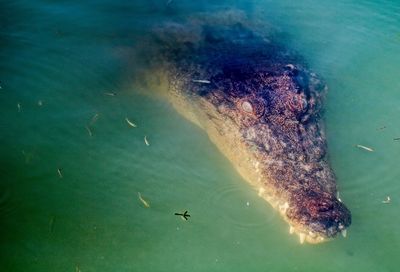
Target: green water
pixel 64 55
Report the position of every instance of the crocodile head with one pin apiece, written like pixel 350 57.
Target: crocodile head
pixel 261 106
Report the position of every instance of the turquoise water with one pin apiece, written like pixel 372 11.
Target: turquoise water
pixel 57 61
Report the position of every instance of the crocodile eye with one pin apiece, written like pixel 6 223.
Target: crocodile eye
pixel 252 106
pixel 247 107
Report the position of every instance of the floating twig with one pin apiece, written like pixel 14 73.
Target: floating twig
pixel 365 148
pixel 145 203
pixel 130 122
pixel 185 216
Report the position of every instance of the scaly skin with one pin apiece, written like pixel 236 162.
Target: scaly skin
pixel 261 107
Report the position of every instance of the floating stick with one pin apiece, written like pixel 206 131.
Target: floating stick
pixel 145 203
pixel 365 148
pixel 130 122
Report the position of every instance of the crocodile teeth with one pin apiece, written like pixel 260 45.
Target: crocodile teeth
pixel 291 230
pixel 344 233
pixel 302 238
pixel 284 207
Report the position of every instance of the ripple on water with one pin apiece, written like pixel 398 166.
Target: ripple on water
pixel 241 207
pixel 369 176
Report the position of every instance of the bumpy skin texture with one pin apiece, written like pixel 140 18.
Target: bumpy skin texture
pixel 245 85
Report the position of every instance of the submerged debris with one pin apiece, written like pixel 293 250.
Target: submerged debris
pixel 19 107
pixel 40 103
pixel 110 93
pixel 94 119
pixel 145 203
pixel 89 131
pixel 28 156
pixel 59 172
pixel 396 139
pixel 365 148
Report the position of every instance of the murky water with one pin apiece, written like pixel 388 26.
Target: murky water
pixel 66 89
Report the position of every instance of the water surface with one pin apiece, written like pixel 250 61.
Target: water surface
pixel 57 61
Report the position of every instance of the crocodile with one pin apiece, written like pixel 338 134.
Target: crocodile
pixel 262 107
